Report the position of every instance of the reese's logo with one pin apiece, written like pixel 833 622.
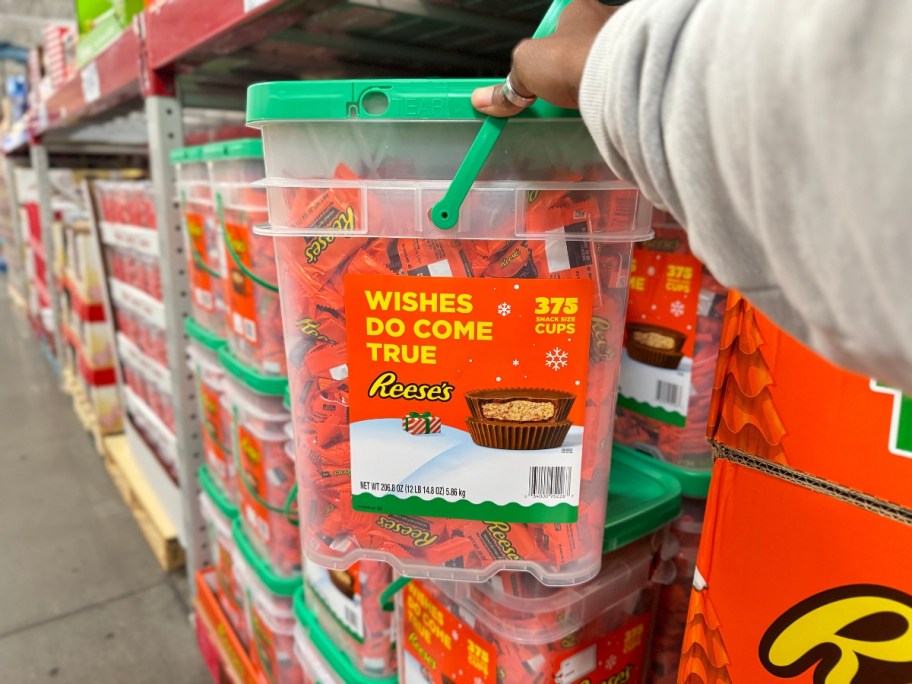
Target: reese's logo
pixel 857 634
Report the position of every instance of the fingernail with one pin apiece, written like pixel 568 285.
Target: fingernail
pixel 483 97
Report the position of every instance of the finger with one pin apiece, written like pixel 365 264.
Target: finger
pixel 491 100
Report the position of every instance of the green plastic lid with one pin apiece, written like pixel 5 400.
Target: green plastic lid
pixel 214 150
pixel 694 483
pixel 216 494
pixel 391 99
pixel 187 155
pixel 262 384
pixel 277 584
pixel 243 148
pixel 332 654
pixel 199 334
pixel 641 499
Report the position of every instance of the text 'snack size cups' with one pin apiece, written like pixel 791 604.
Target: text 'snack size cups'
pixel 445 378
pixel 253 323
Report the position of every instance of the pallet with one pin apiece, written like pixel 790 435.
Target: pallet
pixel 148 513
pixel 82 408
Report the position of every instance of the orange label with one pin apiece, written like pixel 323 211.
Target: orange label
pixel 253 477
pixel 616 658
pixel 200 279
pixel 665 291
pixel 240 287
pixel 440 648
pixel 417 346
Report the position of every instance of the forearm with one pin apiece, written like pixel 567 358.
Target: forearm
pixel 777 133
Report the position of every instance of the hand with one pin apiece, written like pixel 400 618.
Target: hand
pixel 552 67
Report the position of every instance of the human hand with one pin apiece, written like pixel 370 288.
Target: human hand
pixel 552 67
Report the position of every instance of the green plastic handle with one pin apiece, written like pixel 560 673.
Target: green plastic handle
pixel 445 214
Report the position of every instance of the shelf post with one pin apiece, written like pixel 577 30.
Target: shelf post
pixel 41 167
pixel 164 119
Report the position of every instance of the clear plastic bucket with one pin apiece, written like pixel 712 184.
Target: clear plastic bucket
pixel 442 379
pixel 346 605
pixel 220 514
pixel 524 631
pixel 203 238
pixel 265 474
pixel 269 614
pixel 321 661
pixel 664 394
pixel 254 322
pixel 215 416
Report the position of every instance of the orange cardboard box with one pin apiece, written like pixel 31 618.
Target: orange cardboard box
pixel 777 400
pixel 804 572
pixel 797 585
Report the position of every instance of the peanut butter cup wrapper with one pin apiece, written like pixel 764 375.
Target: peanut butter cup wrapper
pixel 659 358
pixel 518 436
pixel 562 401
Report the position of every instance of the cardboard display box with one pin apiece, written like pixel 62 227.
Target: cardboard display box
pixel 805 567
pixel 797 585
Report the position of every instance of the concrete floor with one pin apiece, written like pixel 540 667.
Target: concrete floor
pixel 82 598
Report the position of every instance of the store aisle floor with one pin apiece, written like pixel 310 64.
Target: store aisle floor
pixel 82 599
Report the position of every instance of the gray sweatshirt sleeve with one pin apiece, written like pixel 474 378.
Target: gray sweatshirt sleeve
pixel 780 134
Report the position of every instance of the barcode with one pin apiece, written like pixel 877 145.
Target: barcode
pixel 668 393
pixel 250 330
pixel 549 482
pixel 352 618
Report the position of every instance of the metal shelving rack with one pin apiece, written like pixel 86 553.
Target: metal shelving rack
pixel 182 54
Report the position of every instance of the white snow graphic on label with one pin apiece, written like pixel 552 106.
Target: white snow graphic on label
pixel 428 468
pixel 576 666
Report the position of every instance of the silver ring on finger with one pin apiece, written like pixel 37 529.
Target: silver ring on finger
pixel 515 98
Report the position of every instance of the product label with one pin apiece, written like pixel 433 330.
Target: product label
pixel 659 343
pixel 476 390
pixel 340 592
pixel 253 483
pixel 201 281
pixel 225 575
pixel 240 291
pixel 439 648
pixel 265 642
pixel 213 439
pixel 616 658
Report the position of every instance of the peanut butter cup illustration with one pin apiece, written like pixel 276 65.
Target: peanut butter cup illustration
pixel 655 345
pixel 520 418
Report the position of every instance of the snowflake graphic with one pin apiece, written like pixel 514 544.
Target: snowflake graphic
pixel 556 359
pixel 611 662
pixel 515 362
pixel 677 308
pixel 504 309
